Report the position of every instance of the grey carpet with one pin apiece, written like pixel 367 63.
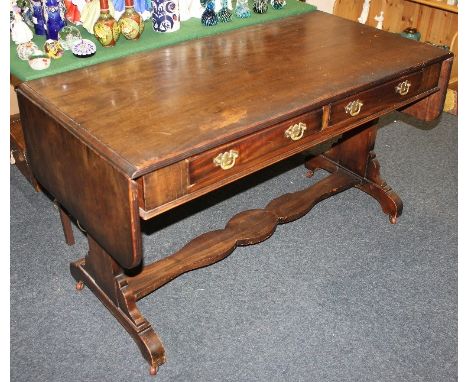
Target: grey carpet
pixel 339 295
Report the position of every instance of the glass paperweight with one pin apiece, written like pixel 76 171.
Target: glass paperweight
pixel 224 14
pixel 53 49
pixel 26 49
pixel 39 60
pixel 411 33
pixel 68 35
pixel 242 9
pixel 83 48
pixel 209 17
pixel 260 6
pixel 278 4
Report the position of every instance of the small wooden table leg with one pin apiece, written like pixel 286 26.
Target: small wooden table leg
pixel 66 226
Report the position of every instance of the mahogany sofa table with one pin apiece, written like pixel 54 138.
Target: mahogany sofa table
pixel 133 138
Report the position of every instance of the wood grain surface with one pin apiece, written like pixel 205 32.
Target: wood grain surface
pixel 153 109
pixel 92 190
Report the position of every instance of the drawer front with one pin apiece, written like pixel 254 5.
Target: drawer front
pixel 227 160
pixel 382 97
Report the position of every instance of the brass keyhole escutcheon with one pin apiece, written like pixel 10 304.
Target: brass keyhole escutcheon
pixel 295 132
pixel 354 108
pixel 403 87
pixel 226 160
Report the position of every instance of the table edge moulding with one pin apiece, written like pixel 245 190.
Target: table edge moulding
pixel 91 167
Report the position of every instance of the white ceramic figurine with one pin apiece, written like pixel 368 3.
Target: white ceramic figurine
pixel 20 32
pixel 365 12
pixel 189 9
pixel 380 20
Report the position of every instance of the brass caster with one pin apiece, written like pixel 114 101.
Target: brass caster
pixel 79 285
pixel 153 370
pixel 393 219
pixel 310 173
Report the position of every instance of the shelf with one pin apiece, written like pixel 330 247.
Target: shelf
pixel 437 4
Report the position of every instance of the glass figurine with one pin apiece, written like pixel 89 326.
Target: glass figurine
pixel 54 12
pixel 38 17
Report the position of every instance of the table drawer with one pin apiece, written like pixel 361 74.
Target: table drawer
pixel 227 160
pixel 368 102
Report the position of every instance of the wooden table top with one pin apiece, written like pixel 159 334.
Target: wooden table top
pixel 155 108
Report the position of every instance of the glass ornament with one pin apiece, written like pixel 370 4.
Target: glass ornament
pixel 209 17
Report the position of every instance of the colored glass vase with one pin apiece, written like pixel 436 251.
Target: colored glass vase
pixel 106 29
pixel 260 6
pixel 209 17
pixel 38 17
pixel 131 23
pixel 54 17
pixel 224 14
pixel 165 15
pixel 242 9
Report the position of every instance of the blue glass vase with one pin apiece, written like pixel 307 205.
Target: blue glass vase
pixel 38 17
pixel 54 18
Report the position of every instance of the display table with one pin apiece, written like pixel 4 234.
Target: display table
pixel 128 140
pixel 149 40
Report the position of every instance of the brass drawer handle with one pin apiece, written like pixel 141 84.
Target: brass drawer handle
pixel 403 88
pixel 295 132
pixel 354 108
pixel 227 159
